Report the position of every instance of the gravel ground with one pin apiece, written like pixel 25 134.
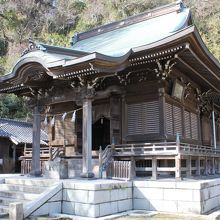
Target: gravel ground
pixel 164 217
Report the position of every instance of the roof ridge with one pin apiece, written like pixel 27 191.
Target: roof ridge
pixel 149 14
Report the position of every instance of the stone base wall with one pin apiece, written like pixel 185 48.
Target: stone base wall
pixel 197 197
pixel 95 200
pixel 210 195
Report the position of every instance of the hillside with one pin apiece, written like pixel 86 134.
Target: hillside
pixel 55 22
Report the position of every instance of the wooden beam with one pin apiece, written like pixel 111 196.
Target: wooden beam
pixel 195 71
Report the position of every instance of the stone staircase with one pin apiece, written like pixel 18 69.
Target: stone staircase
pixel 20 190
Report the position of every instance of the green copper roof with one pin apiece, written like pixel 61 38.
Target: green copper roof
pixel 118 42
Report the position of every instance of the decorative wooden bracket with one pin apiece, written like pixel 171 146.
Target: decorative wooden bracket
pixel 163 69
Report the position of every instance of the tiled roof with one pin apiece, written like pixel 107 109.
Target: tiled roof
pixel 19 131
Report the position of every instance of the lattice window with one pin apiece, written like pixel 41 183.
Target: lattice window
pixel 169 119
pixel 194 126
pixel 177 116
pixel 173 119
pixel 143 118
pixel 187 124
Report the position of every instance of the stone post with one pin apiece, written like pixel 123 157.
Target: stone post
pixel 87 139
pixel 16 211
pixel 35 165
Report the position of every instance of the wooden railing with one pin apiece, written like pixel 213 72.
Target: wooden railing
pixel 162 148
pixel 46 153
pixel 26 165
pixel 55 152
pixel 114 154
pixel 121 170
pixel 198 150
pixel 146 148
pixel 105 160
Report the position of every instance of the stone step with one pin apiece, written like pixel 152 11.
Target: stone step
pixel 18 195
pixel 23 188
pixel 6 201
pixel 4 209
pixel 31 182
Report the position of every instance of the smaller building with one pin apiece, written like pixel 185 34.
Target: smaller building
pixel 15 137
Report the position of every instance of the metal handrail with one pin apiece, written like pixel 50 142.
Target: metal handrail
pixel 56 152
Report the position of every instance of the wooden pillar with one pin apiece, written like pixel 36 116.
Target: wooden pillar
pixel 218 165
pixel 213 128
pixel 123 119
pixel 154 168
pixel 213 166
pixel 198 169
pixel 177 167
pixel 87 139
pixel 189 166
pixel 133 168
pixel 35 164
pixel 14 155
pixel 205 166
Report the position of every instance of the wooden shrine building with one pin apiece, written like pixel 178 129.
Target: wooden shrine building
pixel 147 87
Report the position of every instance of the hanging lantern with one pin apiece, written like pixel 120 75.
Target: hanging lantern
pixel 64 116
pixel 52 122
pixel 73 119
pixel 45 120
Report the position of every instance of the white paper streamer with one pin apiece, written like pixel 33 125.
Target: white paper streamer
pixel 73 119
